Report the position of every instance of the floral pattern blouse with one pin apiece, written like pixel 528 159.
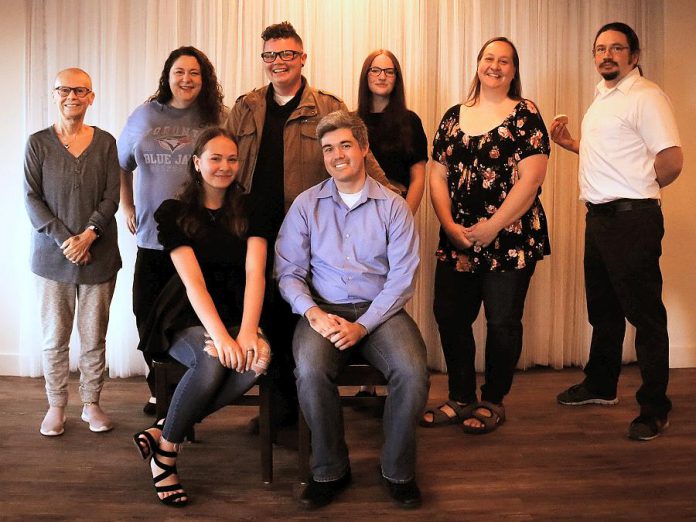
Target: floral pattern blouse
pixel 481 170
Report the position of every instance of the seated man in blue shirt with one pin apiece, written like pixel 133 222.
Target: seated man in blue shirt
pixel 346 259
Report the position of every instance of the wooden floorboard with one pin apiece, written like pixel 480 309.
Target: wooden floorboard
pixel 547 462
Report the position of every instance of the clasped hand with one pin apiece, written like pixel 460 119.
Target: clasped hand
pixel 247 352
pixel 481 234
pixel 76 248
pixel 340 332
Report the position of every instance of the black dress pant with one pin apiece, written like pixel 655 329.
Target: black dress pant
pixel 458 298
pixel 623 281
pixel 153 269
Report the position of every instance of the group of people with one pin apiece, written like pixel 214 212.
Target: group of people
pixel 290 186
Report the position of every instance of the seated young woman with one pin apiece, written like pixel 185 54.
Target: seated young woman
pixel 207 316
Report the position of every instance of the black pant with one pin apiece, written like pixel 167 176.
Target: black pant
pixel 458 298
pixel 153 269
pixel 623 281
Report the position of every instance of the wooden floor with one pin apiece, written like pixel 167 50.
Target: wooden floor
pixel 547 462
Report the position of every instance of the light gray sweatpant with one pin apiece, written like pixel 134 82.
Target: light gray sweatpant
pixel 57 308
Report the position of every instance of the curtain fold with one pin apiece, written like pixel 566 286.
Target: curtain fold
pixel 122 44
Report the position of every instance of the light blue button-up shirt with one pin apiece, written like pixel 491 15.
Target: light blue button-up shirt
pixel 339 255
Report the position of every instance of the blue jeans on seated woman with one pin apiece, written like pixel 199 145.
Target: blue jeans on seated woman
pixel 206 387
pixel 397 350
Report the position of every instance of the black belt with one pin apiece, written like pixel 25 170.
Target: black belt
pixel 621 205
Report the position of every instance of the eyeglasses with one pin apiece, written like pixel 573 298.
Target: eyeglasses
pixel 286 56
pixel 80 92
pixel 612 49
pixel 389 72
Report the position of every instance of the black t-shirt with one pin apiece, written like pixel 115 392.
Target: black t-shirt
pixel 267 194
pixel 394 156
pixel 221 256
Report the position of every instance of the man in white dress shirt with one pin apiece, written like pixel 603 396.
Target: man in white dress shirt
pixel 629 150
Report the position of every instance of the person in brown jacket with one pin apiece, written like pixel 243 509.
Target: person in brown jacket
pixel 280 157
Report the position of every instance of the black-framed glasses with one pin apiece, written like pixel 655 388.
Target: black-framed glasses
pixel 612 49
pixel 64 91
pixel 389 72
pixel 286 55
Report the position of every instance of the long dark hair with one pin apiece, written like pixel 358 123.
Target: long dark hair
pixel 209 101
pixel 396 112
pixel 515 90
pixel 232 213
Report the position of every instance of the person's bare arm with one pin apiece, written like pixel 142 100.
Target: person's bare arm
pixel 127 201
pixel 668 165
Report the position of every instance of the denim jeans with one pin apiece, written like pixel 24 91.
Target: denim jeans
pixel 458 298
pixel 397 350
pixel 206 387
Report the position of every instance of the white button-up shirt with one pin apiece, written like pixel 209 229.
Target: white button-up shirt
pixel 622 131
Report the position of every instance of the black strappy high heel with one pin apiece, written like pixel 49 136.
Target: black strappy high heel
pixel 145 442
pixel 179 499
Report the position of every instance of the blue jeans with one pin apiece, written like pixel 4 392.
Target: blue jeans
pixel 206 387
pixel 397 350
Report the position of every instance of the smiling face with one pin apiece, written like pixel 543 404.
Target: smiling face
pixel 496 68
pixel 218 164
pixel 185 81
pixel 381 85
pixel 344 159
pixel 71 107
pixel 286 77
pixel 614 65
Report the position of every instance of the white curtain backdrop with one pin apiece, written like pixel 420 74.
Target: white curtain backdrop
pixel 123 45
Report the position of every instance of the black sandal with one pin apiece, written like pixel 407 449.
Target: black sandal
pixel 179 499
pixel 145 442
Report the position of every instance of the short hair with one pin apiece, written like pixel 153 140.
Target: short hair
pixel 626 30
pixel 515 90
pixel 344 120
pixel 281 30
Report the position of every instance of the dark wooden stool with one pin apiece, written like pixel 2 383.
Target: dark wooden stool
pixel 356 374
pixel 168 373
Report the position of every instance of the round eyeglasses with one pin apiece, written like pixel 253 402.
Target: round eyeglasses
pixel 286 56
pixel 64 91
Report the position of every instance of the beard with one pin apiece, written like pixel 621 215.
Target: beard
pixel 609 76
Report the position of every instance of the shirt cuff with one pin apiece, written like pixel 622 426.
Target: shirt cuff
pixel 370 320
pixel 302 304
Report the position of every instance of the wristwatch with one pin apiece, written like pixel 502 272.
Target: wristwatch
pixel 95 229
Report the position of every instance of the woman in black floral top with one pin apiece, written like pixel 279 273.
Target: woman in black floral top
pixel 490 161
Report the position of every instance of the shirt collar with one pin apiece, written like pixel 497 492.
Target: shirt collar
pixel 371 190
pixel 623 86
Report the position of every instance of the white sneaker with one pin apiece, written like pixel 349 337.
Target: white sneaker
pixel 54 422
pixel 97 419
